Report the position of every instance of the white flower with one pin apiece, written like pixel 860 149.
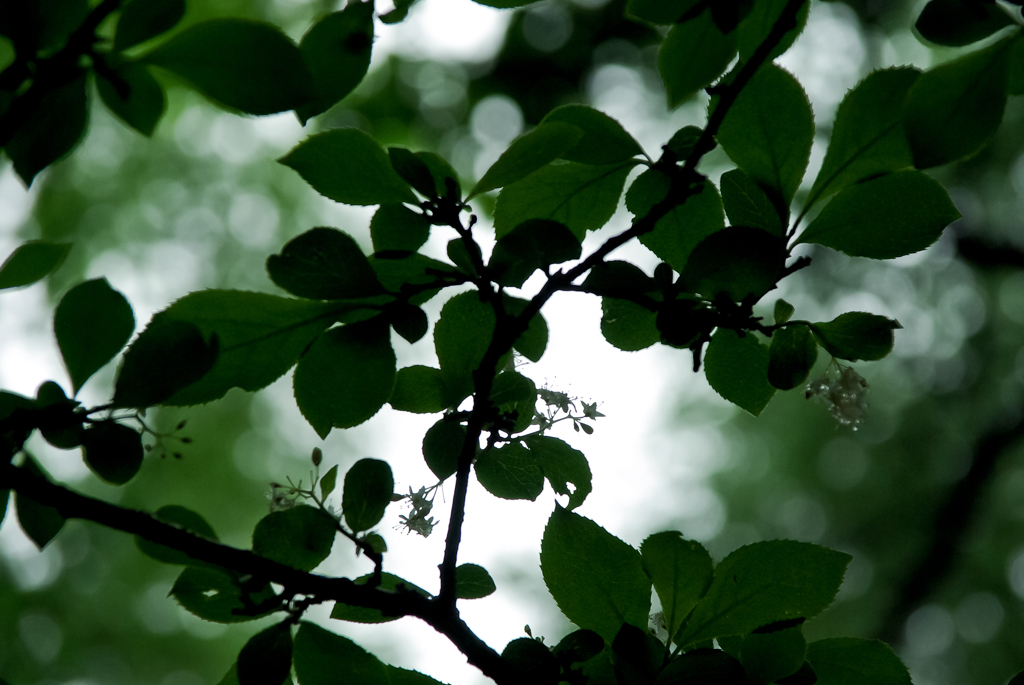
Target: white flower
pixel 281 497
pixel 843 396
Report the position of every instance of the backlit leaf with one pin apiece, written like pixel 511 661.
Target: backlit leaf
pixel 659 11
pixel 323 658
pixel 396 227
pixel 144 19
pixel 960 22
pixel 532 245
pixel 851 661
pixel 746 204
pixel 527 154
pixel 793 352
pixel 754 29
pixel 133 94
pixel 442 445
pixel 677 233
pixel 179 517
pixel 461 336
pixel 300 537
pixel 737 369
pixel 324 264
pixel 113 452
pixel 604 140
pixel 92 323
pixel 509 472
pixel 31 262
pixel 857 335
pixel 739 261
pixel 561 465
pixel 473 582
pixel 222 596
pixel 418 389
pixel 50 131
pixel 388 581
pixel 164 360
pixel 337 52
pixel 628 326
pixel 681 572
pixel 40 522
pixel 266 659
pixel 368 489
pixel 693 56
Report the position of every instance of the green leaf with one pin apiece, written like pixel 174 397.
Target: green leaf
pixel 180 517
pixel 744 263
pixel 31 262
pixel 348 166
pixel 583 197
pixel 659 11
pixel 604 140
pixel 754 29
pixel 165 359
pixel 769 656
pixel 616 278
pixel 461 336
pixel 514 392
pixel 596 579
pixel 509 472
pixel 769 130
pixel 677 233
pixel 532 245
pixel 473 582
pixel 324 264
pixel 260 337
pixel 245 65
pixel 367 493
pixel 337 51
pixel 1015 84
pixel 954 109
pixel 692 56
pixel 442 445
pixel 42 24
pixel 527 154
pixel 532 659
pixel 791 356
pixel 683 322
pixel 504 4
pixel 867 138
pixel 345 612
pixel 40 522
pixel 402 676
pixel 266 659
pixel 395 271
pixel 683 141
pixel 113 452
pixel 857 335
pixel 884 218
pixel 762 583
pixel 681 572
pixel 562 465
pixel 144 19
pixel 960 22
pixel 323 658
pixel 396 227
pixel 783 311
pixel 578 646
pixel 92 323
pixel 5 496
pixel 328 481
pixel 59 423
pixel 628 326
pixel 703 665
pixel 346 376
pixel 851 661
pixel 50 130
pixel 737 368
pixel 746 204
pixel 427 172
pixel 532 342
pixel 222 596
pixel 418 389
pixel 300 537
pixel 409 321
pixel 131 93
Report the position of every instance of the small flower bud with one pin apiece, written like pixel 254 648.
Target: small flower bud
pixel 318 456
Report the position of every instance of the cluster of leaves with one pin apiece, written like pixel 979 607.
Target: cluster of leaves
pixel 723 247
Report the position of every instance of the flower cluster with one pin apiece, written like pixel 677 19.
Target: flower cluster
pixel 844 396
pixel 283 497
pixel 418 520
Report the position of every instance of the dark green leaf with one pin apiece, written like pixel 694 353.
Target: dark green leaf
pixel 504 4
pixel 40 522
pixel 532 659
pixel 180 517
pixel 954 109
pixel 367 493
pixel 5 496
pixel 647 190
pixel 746 204
pixel 114 452
pixel 867 138
pixel 703 665
pixel 323 658
pixel 57 420
pixel 562 465
pixel 165 359
pixel 637 654
pixel 223 597
pixel 328 482
pixel 596 579
pixel 583 197
pixel 737 368
pixel 884 218
pixel 754 29
pixel 413 171
pixel 337 52
pixel 346 376
pixel 41 24
pixel 659 11
pixel 604 140
pixel 442 445
pixel 578 646
pixel 300 537
pixel 395 16
pixel 762 583
pixel 792 355
pixel 324 264
pixel 144 19
pixel 345 612
pixel 628 326
pixel 245 65
pixel 394 272
pixel 851 661
pixel 681 572
pixel 684 227
pixel 92 323
pixel 534 340
pixel 31 262
pixel 418 389
pixel 132 93
pixel 769 130
pixel 770 656
pixel 51 130
pixel 511 388
pixel 348 166
pixel 396 227
pixel 473 582
pixel 1015 84
pixel 960 22
pixel 509 472
pixel 683 322
pixel 617 279
pixel 532 245
pixel 857 335
pixel 783 311
pixel 741 262
pixel 683 141
pixel 266 659
pixel 402 676
pixel 461 336
pixel 260 337
pixel 527 154
pixel 692 56
pixel 409 321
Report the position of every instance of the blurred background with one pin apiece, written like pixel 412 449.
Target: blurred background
pixel 928 495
